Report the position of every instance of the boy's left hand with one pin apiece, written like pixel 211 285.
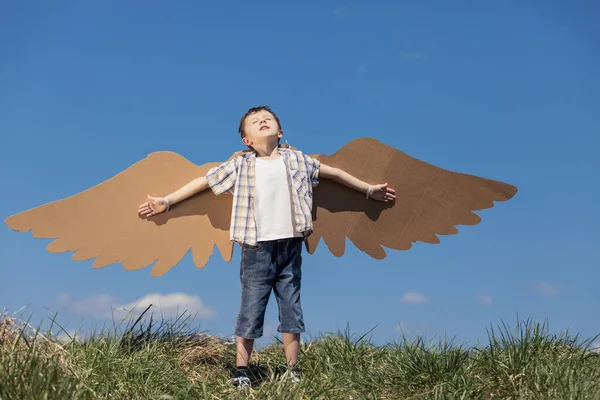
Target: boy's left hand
pixel 382 192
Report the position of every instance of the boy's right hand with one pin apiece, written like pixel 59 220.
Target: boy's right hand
pixel 154 205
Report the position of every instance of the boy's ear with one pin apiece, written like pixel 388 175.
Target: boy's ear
pixel 247 141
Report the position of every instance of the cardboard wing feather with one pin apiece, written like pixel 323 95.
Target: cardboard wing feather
pixel 102 222
pixel 430 201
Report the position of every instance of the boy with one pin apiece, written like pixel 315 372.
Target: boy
pixel 271 217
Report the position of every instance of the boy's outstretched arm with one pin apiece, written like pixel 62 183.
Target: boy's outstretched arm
pixel 219 179
pixel 379 192
pixel 156 205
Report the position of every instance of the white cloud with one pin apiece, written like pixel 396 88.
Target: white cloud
pixel 164 305
pixel 170 305
pixel 97 306
pixel 595 347
pixel 546 287
pixel 484 299
pixel 414 297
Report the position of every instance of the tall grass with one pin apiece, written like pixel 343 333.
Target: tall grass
pixel 168 360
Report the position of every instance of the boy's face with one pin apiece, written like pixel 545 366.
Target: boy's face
pixel 261 127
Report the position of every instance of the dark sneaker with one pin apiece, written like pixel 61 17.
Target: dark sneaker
pixel 292 374
pixel 240 379
pixel 295 376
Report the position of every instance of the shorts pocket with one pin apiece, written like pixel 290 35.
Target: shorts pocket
pixel 259 246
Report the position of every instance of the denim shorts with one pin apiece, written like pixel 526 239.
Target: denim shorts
pixel 270 265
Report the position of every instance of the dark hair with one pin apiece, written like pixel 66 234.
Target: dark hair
pixel 251 111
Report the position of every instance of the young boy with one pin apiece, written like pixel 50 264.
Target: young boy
pixel 271 217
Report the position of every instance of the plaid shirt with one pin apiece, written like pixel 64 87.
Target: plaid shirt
pixel 236 177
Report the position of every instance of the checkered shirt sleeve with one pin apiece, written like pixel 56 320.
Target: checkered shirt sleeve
pixel 221 179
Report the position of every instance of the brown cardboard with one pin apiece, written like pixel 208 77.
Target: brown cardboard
pixel 430 201
pixel 102 222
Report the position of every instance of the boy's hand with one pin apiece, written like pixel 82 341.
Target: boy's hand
pixel 154 205
pixel 382 192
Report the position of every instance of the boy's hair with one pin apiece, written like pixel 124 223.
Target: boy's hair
pixel 251 111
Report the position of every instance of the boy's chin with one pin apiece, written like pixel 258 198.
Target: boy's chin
pixel 267 133
pixel 267 137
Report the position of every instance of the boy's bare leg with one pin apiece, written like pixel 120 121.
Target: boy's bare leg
pixel 244 351
pixel 291 342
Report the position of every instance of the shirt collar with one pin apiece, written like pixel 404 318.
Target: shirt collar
pixel 250 154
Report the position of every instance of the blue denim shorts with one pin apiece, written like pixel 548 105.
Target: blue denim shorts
pixel 270 265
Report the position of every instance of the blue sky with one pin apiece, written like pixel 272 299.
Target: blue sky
pixel 505 90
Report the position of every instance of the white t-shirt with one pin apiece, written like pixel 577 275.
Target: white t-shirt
pixel 273 202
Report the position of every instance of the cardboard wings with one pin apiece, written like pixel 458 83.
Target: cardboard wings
pixel 102 222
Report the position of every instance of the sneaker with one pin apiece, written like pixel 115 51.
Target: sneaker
pixel 241 382
pixel 295 376
pixel 240 379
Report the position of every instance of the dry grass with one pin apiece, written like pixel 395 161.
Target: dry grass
pixel 18 336
pixel 8 332
pixel 200 355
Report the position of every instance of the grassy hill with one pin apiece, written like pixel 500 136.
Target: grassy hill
pixel 167 361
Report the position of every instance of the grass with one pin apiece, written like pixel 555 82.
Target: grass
pixel 146 360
